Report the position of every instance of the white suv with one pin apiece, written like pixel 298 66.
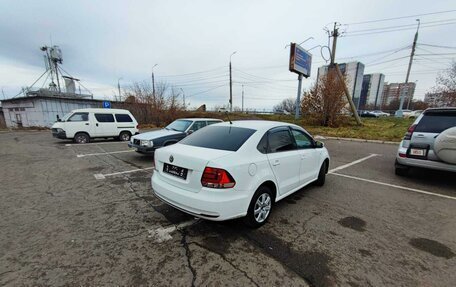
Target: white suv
pixel 430 142
pixel 84 124
pixel 238 169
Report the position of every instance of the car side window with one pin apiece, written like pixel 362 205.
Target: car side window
pixel 123 118
pixel 104 118
pixel 302 140
pixel 197 125
pixel 79 117
pixel 263 144
pixel 280 140
pixel 212 122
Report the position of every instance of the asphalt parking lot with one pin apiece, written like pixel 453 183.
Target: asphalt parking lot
pixel 85 215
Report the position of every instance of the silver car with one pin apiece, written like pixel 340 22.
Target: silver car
pixel 429 142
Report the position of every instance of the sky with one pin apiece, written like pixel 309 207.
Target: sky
pixel 190 42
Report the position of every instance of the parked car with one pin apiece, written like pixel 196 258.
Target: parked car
pixel 405 113
pixel 367 114
pixel 82 125
pixel 380 114
pixel 430 142
pixel 148 142
pixel 413 114
pixel 238 169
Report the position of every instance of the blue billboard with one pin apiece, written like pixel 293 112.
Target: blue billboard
pixel 106 104
pixel 300 60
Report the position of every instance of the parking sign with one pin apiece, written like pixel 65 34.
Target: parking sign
pixel 106 104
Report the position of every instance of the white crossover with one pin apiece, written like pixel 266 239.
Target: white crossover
pixel 238 169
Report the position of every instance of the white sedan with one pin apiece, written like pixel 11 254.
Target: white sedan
pixel 238 169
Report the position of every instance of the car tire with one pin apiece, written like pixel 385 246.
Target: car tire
pixel 81 138
pixel 124 136
pixel 401 170
pixel 260 207
pixel 321 175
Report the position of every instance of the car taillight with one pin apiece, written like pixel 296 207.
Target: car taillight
pixel 408 134
pixel 217 178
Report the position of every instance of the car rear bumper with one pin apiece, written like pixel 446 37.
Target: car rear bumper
pixel 429 164
pixel 216 205
pixel 142 149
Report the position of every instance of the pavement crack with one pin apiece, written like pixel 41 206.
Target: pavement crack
pixel 188 255
pixel 229 262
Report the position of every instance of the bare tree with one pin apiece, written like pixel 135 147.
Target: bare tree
pixel 325 101
pixel 288 105
pixel 446 86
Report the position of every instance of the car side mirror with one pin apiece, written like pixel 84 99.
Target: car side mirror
pixel 190 132
pixel 319 144
pixel 58 118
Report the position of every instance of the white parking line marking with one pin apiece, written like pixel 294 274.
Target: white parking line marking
pixel 103 153
pixel 161 234
pixel 395 186
pixel 103 176
pixel 352 163
pixel 95 143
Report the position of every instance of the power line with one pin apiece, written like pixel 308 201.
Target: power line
pixel 401 17
pixel 400 26
pixel 200 72
pixel 437 46
pixel 202 92
pixel 403 29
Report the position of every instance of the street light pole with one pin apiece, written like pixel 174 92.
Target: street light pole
pixel 118 87
pixel 153 80
pixel 231 85
pixel 183 96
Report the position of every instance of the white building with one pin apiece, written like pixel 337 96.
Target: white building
pixel 372 90
pixel 39 110
pixel 354 72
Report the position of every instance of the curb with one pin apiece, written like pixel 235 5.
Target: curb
pixel 358 140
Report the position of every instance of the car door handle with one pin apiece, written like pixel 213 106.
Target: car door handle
pixel 96 124
pixel 87 124
pixel 276 162
pixel 420 136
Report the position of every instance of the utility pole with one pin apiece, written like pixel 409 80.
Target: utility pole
pixel 231 85
pixel 334 34
pixel 3 93
pixel 415 39
pixel 333 65
pixel 153 81
pixel 242 98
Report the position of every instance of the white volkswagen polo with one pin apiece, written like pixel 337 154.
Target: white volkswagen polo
pixel 238 169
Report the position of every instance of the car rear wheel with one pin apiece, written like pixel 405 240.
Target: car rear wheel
pixel 124 136
pixel 260 207
pixel 81 138
pixel 321 175
pixel 401 170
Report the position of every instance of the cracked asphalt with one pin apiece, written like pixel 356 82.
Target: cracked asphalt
pixel 61 226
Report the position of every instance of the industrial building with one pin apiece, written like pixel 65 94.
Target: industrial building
pixel 353 71
pixel 372 91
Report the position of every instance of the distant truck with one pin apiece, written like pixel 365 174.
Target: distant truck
pixel 82 125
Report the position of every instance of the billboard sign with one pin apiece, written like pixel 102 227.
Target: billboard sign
pixel 300 60
pixel 106 104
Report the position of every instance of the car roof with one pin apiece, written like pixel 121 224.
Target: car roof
pixel 447 109
pixel 257 124
pixel 95 110
pixel 200 119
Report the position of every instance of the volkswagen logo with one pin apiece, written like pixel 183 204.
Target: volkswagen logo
pixel 171 158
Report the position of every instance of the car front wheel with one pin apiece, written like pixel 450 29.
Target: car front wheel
pixel 81 138
pixel 260 207
pixel 321 175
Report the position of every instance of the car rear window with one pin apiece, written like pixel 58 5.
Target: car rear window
pixel 216 137
pixel 436 122
pixel 123 118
